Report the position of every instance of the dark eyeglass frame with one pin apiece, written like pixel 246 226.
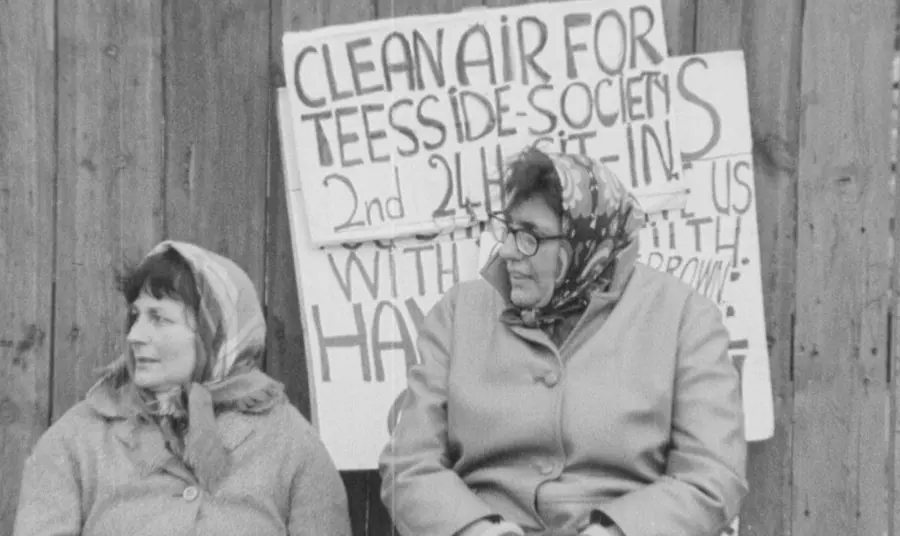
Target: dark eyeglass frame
pixel 501 231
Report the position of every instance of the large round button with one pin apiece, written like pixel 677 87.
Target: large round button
pixel 190 493
pixel 551 379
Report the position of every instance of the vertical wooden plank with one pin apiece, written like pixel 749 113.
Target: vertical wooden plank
pixel 400 8
pixel 769 33
pixel 109 185
pixel 845 203
pixel 286 351
pixel 27 178
pixel 216 104
pixel 772 52
pixel 894 340
pixel 680 17
pixel 285 340
pixel 719 25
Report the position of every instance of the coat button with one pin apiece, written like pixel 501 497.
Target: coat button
pixel 545 467
pixel 190 493
pixel 551 379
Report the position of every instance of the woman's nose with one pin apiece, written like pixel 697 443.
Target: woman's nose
pixel 508 249
pixel 138 332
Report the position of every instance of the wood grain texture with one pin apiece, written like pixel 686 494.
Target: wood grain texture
pixel 27 176
pixel 845 204
pixel 217 101
pixel 109 183
pixel 772 54
pixel 894 366
pixel 400 8
pixel 285 339
pixel 719 25
pixel 680 18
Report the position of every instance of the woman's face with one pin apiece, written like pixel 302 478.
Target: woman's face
pixel 162 340
pixel 533 279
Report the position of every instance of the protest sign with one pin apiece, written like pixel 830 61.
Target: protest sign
pixel 362 305
pixel 405 124
pixel 713 243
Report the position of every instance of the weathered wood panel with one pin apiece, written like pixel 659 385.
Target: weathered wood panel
pixel 27 175
pixel 772 52
pixel 680 17
pixel 769 33
pixel 840 353
pixel 109 198
pixel 401 8
pixel 719 25
pixel 286 351
pixel 893 438
pixel 216 106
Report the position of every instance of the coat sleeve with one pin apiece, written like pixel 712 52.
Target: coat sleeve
pixel 318 502
pixel 420 490
pixel 705 479
pixel 51 492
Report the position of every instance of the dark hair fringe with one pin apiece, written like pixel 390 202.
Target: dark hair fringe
pixel 165 274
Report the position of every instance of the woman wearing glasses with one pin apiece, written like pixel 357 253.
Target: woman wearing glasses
pixel 571 391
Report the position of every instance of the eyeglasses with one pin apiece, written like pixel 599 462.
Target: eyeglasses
pixel 527 242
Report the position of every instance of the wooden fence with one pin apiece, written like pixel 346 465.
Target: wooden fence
pixel 126 121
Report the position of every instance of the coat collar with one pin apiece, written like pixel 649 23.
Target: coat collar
pixel 599 304
pixel 143 439
pixel 146 446
pixel 116 404
pixel 496 274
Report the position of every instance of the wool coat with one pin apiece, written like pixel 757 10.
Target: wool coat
pixel 252 465
pixel 94 473
pixel 636 417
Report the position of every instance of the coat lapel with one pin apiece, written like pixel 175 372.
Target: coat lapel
pixel 147 449
pixel 234 429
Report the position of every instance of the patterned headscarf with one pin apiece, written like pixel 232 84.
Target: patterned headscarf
pixel 231 331
pixel 602 221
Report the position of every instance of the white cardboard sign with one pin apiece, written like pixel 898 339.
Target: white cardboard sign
pixel 402 125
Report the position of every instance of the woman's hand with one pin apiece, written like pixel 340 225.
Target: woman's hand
pixel 489 528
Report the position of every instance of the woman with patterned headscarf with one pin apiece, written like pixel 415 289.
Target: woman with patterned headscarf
pixel 183 434
pixel 571 390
